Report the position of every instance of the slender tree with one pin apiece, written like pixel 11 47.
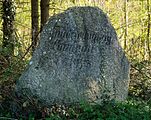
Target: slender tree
pixel 34 23
pixel 148 29
pixel 126 23
pixel 8 17
pixel 44 5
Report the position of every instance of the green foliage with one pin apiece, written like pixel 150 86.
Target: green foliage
pixel 140 84
pixel 129 110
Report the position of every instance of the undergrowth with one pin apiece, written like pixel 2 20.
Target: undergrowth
pixel 137 106
pixel 111 110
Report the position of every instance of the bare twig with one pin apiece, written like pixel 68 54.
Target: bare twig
pixel 28 49
pixel 140 71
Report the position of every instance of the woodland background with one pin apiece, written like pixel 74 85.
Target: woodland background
pixel 22 21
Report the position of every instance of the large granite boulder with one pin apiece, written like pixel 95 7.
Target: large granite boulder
pixel 78 58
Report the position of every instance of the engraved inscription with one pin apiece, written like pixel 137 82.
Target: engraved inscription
pixel 59 41
pixel 79 62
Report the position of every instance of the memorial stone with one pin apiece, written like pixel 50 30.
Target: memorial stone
pixel 78 58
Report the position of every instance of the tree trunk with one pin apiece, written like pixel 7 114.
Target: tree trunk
pixel 34 23
pixel 148 29
pixel 8 28
pixel 126 24
pixel 44 5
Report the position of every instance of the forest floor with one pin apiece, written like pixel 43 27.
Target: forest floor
pixel 136 107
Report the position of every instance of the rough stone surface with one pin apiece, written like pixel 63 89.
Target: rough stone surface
pixel 77 59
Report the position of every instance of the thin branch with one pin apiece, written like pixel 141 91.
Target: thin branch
pixel 140 71
pixel 28 49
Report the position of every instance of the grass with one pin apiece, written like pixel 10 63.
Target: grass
pixel 109 110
